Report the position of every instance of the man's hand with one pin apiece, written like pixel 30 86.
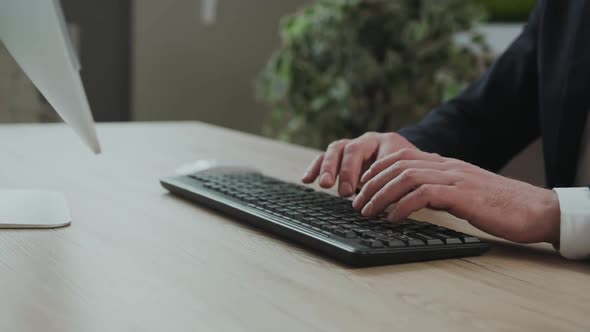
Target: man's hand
pixel 410 180
pixel 347 159
pixel 407 179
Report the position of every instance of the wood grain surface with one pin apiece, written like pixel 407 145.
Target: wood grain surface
pixel 139 259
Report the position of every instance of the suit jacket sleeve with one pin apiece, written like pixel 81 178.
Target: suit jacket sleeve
pixel 495 117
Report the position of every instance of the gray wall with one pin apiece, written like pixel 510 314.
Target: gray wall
pixel 185 69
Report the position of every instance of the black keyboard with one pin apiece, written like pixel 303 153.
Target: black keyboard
pixel 320 221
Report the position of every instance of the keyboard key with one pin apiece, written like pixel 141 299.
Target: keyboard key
pixel 394 243
pixel 372 243
pixel 309 219
pixel 330 228
pixel 391 226
pixel 414 227
pixel 318 223
pixel 470 239
pixel 294 214
pixel 416 242
pixel 453 240
pixel 338 215
pixel 431 241
pixel 338 222
pixel 345 233
pixel 361 231
pixel 410 241
pixel 326 233
pixel 369 234
pixel 448 239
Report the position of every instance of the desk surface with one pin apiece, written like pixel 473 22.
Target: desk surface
pixel 136 258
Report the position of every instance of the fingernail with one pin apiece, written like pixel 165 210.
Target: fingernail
pixel 368 209
pixel 357 201
pixel 305 175
pixel 346 189
pixel 325 179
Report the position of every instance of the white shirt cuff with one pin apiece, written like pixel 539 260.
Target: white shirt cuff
pixel 574 204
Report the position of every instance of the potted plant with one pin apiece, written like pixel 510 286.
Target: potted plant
pixel 507 10
pixel 350 66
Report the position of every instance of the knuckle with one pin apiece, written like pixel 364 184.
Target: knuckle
pixel 389 136
pixel 426 190
pixel 409 175
pixel 327 165
pixel 345 172
pixel 405 153
pixel 378 197
pixel 450 162
pixel 420 192
pixel 337 144
pixel 371 186
pixel 400 165
pixel 455 163
pixel 331 146
pixel 369 134
pixel 352 147
pixel 379 164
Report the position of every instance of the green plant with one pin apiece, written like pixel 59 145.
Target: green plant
pixel 508 10
pixel 350 66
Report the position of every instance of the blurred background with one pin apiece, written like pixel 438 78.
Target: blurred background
pixel 297 70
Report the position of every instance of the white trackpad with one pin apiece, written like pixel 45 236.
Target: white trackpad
pixel 33 209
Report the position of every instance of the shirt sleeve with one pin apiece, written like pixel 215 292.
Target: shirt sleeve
pixel 574 204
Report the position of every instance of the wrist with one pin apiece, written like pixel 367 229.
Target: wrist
pixel 548 217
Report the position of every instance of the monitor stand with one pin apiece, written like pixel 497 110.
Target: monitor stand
pixel 33 209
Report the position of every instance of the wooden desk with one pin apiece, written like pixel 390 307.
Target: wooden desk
pixel 136 258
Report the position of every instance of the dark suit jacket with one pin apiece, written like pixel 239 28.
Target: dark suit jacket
pixel 539 87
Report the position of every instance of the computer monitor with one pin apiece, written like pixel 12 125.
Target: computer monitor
pixel 35 33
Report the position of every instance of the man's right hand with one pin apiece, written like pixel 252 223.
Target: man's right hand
pixel 348 159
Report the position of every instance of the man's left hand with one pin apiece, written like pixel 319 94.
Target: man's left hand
pixel 410 179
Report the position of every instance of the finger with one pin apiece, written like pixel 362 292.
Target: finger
pixel 380 180
pixel 408 181
pixel 364 168
pixel 439 197
pixel 355 154
pixel 331 163
pixel 404 154
pixel 313 171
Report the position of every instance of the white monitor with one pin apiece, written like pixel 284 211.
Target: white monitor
pixel 34 32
